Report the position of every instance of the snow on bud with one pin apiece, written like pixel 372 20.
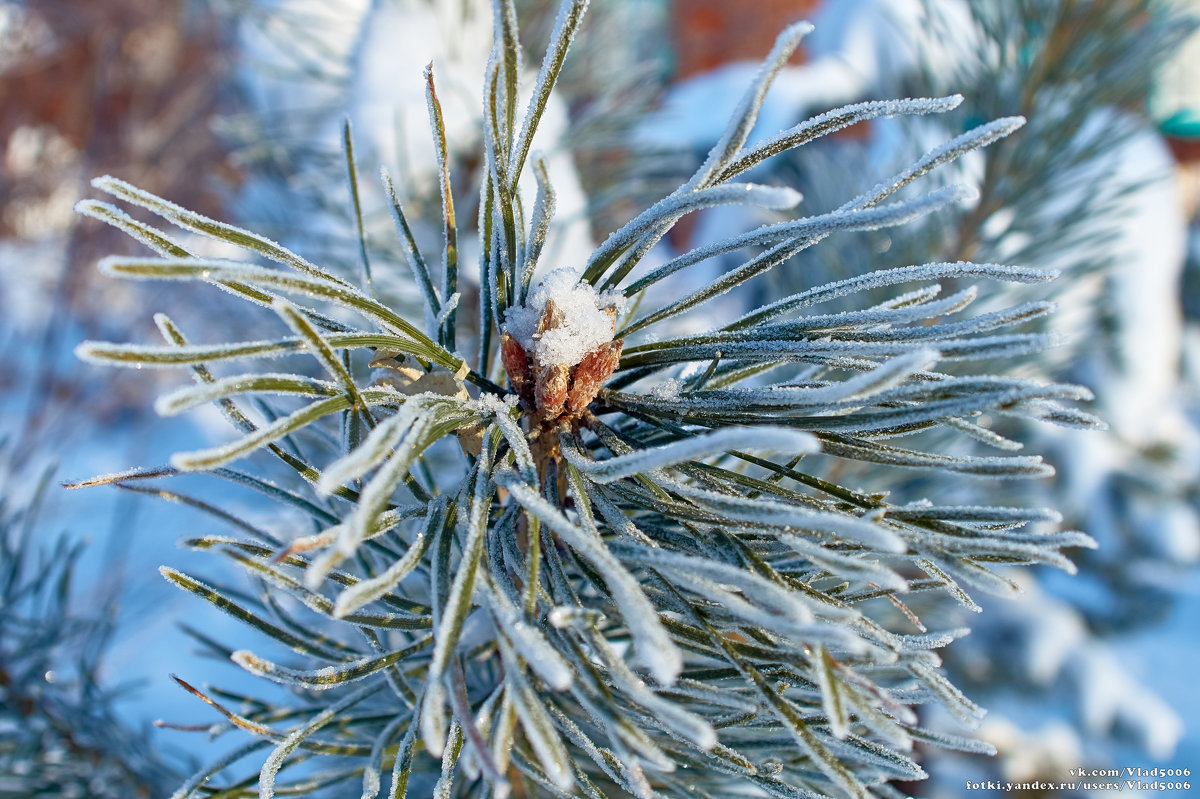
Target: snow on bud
pixel 558 347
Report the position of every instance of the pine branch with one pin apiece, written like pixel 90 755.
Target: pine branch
pixel 627 579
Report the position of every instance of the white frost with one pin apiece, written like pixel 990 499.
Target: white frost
pixel 718 442
pixel 667 390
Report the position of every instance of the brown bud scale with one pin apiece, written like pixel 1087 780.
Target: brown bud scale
pixel 596 367
pixel 550 392
pixel 516 363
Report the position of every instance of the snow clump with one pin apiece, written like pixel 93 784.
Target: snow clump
pixel 586 323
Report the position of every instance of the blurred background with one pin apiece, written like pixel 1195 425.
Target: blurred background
pixel 234 108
